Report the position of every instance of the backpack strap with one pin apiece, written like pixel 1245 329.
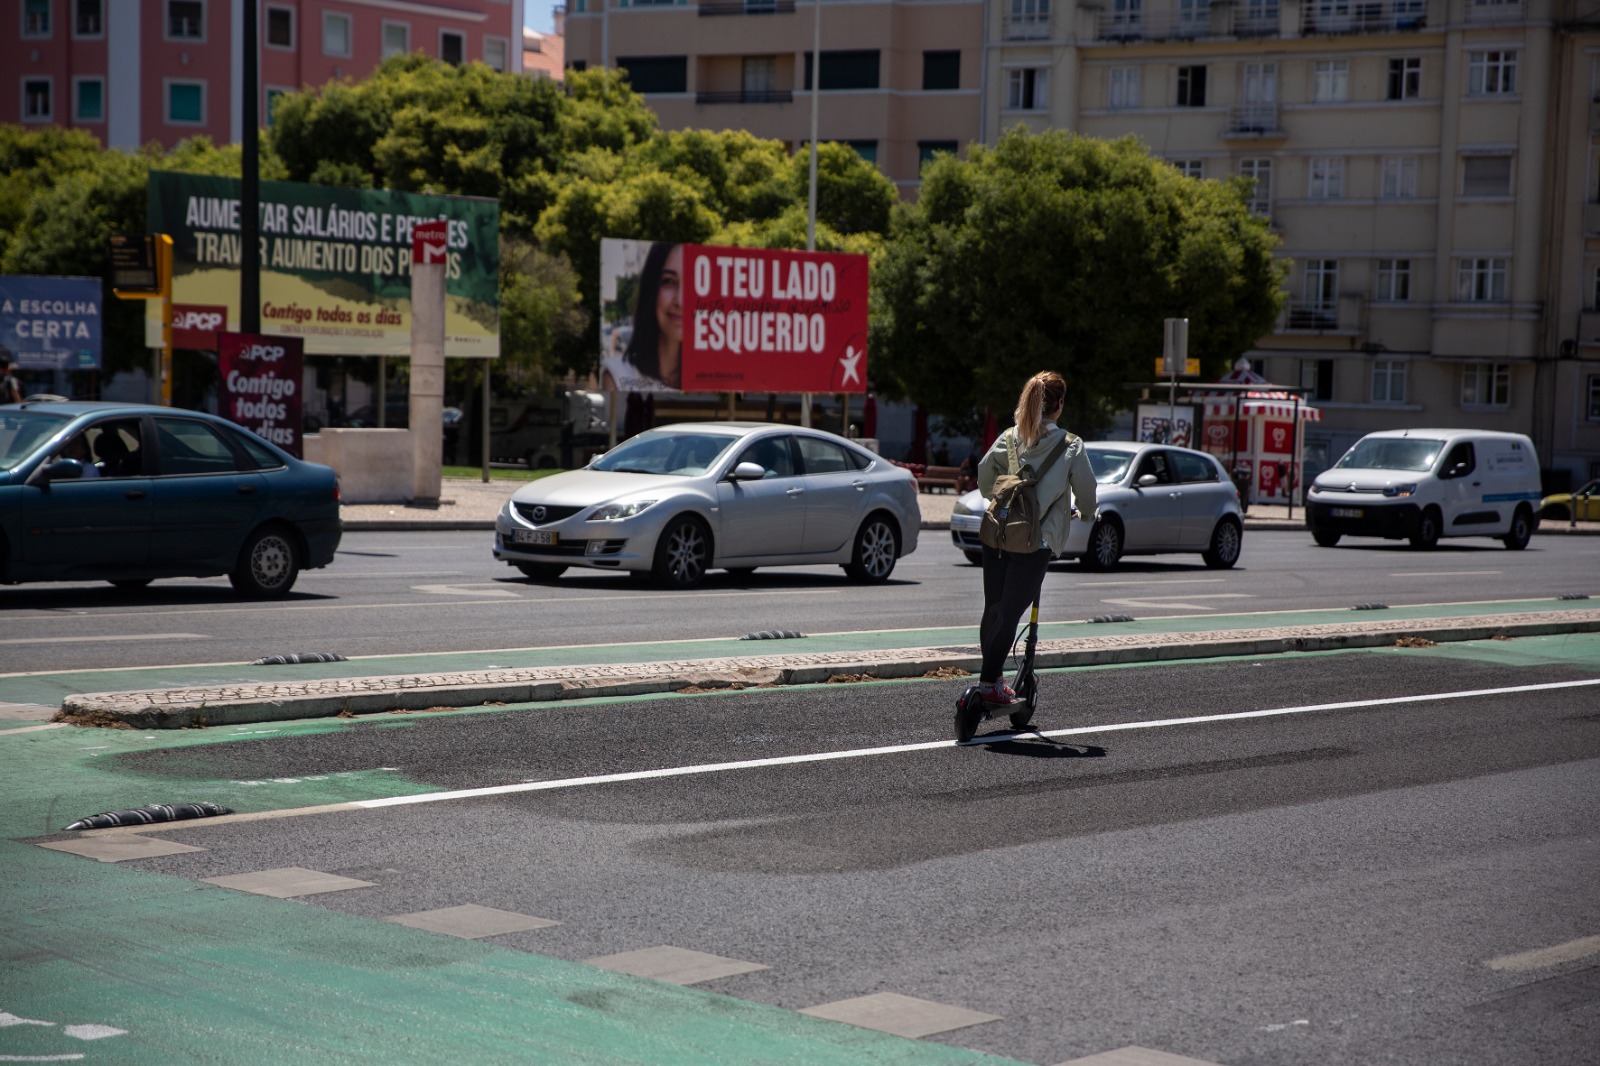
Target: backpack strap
pixel 1055 453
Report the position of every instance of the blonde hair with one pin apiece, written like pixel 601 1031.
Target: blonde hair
pixel 1045 391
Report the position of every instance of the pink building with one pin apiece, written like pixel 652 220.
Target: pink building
pixel 135 71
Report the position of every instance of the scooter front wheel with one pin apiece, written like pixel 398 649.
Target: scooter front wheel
pixel 1028 696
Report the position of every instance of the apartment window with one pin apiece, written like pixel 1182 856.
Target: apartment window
pixel 759 76
pixel 1330 81
pixel 186 20
pixel 36 18
pixel 495 52
pixel 1259 85
pixel 1259 171
pixel 1399 178
pixel 1322 284
pixel 926 150
pixel 867 150
pixel 1316 377
pixel 1594 398
pixel 1481 279
pixel 1122 89
pixel 1486 175
pixel 452 47
pixel 88 18
pixel 1190 168
pixel 1405 78
pixel 396 39
pixel 1327 178
pixel 1491 73
pixel 335 34
pixel 186 103
pixel 1193 15
pixel 89 100
pixel 656 74
pixel 940 71
pixel 845 70
pixel 1486 385
pixel 280 27
pixel 1126 13
pixel 1594 290
pixel 1394 281
pixel 1388 381
pixel 1191 87
pixel 37 105
pixel 1027 88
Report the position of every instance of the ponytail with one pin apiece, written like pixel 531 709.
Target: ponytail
pixel 1044 392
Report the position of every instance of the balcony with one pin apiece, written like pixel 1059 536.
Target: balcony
pixel 746 96
pixel 1398 16
pixel 1480 12
pixel 1136 26
pixel 1034 26
pixel 1253 122
pixel 1340 316
pixel 747 7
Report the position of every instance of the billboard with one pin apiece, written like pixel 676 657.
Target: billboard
pixel 700 318
pixel 51 323
pixel 1166 424
pixel 260 386
pixel 335 263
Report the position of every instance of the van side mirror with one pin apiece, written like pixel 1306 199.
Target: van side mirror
pixel 1459 470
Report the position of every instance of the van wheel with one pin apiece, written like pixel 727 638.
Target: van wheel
pixel 975 558
pixel 1325 540
pixel 1426 538
pixel 1521 530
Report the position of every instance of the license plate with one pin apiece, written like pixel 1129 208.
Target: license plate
pixel 1347 512
pixel 533 536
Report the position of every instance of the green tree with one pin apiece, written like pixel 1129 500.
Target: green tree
pixel 1054 251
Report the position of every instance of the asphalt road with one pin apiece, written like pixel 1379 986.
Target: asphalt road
pixel 1329 886
pixel 441 591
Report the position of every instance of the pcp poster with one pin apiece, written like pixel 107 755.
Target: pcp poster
pixel 260 386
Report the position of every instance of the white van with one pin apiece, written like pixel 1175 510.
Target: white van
pixel 1423 484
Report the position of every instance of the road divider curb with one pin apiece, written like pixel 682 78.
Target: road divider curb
pixel 239 704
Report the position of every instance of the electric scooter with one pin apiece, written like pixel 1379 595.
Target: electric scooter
pixel 971 708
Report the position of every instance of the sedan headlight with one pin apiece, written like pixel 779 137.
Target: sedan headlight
pixel 615 512
pixel 1400 490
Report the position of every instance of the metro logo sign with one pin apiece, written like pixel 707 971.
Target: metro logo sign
pixel 430 242
pixel 196 325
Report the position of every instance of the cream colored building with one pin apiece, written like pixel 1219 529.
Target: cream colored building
pixel 1432 166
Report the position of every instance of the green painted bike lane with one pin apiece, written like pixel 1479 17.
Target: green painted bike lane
pixel 104 963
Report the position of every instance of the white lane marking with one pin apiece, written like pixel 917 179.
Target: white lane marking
pixel 475 589
pixel 1174 605
pixel 104 638
pixel 1158 583
pixel 324 575
pixel 897 749
pixel 1450 573
pixel 1539 958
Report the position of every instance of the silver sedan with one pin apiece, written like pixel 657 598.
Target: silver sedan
pixel 1153 498
pixel 674 502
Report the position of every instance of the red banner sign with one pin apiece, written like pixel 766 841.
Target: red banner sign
pixel 761 320
pixel 260 389
pixel 196 325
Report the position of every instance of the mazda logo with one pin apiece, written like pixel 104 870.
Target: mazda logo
pixel 538 513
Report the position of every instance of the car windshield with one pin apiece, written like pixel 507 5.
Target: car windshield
pixel 659 451
pixel 23 431
pixel 1391 453
pixel 1109 466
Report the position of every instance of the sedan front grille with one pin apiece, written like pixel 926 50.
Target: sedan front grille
pixel 542 514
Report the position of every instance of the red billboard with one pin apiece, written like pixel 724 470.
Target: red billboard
pixel 762 320
pixel 260 388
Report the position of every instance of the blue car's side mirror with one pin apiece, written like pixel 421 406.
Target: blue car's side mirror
pixel 59 470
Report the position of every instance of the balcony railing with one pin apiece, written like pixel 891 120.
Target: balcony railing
pixel 746 96
pixel 1375 17
pixel 1479 11
pixel 1122 26
pixel 1339 315
pixel 1254 120
pixel 749 7
pixel 1031 27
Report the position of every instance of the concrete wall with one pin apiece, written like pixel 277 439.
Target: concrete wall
pixel 374 465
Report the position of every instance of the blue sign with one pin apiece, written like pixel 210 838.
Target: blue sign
pixel 51 323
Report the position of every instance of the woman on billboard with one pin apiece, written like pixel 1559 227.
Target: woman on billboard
pixel 652 360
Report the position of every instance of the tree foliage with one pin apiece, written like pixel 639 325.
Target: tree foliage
pixel 1054 251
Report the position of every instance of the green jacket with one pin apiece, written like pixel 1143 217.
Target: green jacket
pixel 1067 484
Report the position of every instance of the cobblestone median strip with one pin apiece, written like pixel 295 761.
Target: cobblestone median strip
pixel 246 703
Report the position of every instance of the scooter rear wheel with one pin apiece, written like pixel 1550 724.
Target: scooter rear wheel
pixel 1028 696
pixel 969 713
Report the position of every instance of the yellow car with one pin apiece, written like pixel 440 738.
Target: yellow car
pixel 1586 500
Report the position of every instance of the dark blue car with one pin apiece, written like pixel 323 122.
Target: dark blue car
pixel 128 493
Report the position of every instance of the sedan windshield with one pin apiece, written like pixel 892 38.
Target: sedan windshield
pixel 23 431
pixel 1391 453
pixel 1109 466
pixel 660 451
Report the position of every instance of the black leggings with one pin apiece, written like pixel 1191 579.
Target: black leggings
pixel 1011 581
